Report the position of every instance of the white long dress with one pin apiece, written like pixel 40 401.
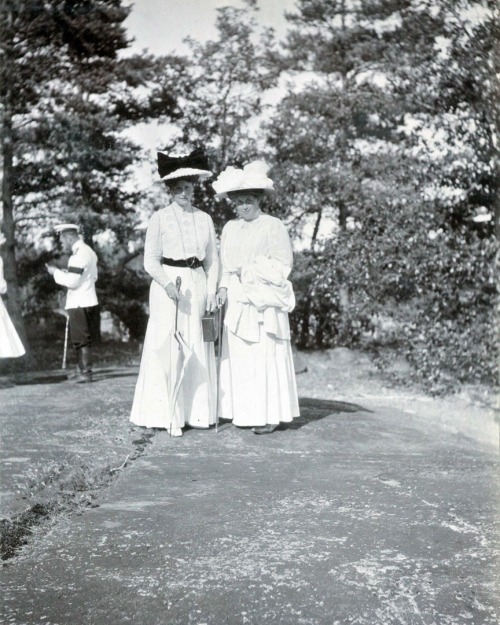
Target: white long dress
pixel 178 234
pixel 257 377
pixel 10 343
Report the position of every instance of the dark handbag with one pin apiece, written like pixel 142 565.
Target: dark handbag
pixel 210 326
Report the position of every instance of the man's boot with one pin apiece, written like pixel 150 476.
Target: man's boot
pixel 85 365
pixel 76 374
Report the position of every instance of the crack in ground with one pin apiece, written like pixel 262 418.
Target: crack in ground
pixel 74 495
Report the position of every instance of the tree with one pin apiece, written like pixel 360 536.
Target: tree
pixel 67 96
pixel 330 135
pixel 391 140
pixel 221 89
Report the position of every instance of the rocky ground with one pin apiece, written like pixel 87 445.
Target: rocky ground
pixel 379 505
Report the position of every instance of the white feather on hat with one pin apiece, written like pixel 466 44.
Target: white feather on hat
pixel 252 176
pixel 186 172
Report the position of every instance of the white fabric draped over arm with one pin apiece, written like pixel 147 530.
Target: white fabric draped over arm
pixel 260 294
pixel 264 281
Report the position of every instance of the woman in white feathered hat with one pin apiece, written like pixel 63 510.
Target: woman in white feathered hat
pixel 180 243
pixel 257 377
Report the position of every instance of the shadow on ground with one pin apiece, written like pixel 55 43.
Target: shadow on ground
pixel 315 409
pixel 56 376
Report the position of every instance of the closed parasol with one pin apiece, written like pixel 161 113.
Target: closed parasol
pixel 180 355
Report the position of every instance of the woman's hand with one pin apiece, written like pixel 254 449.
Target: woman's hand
pixel 172 291
pixel 221 296
pixel 211 305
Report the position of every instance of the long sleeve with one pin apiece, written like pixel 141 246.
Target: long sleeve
pixel 280 246
pixel 153 253
pixel 227 269
pixel 225 273
pixel 67 278
pixel 211 260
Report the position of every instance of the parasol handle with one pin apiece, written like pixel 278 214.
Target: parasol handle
pixel 178 283
pixel 219 355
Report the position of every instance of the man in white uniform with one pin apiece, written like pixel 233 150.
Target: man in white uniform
pixel 81 300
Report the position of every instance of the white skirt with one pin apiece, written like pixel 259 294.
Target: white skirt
pixel 10 343
pixel 163 363
pixel 257 381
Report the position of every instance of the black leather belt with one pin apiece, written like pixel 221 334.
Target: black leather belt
pixel 192 262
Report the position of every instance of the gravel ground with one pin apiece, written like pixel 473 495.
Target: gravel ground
pixel 379 505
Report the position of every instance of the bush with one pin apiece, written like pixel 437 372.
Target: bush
pixel 429 298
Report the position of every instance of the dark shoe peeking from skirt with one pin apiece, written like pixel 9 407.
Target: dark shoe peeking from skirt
pixel 264 429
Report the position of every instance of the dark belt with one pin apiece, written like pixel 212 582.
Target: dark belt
pixel 192 262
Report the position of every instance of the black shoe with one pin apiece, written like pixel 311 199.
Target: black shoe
pixel 264 429
pixel 85 365
pixel 84 378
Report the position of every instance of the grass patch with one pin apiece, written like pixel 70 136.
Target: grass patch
pixel 62 489
pixel 15 533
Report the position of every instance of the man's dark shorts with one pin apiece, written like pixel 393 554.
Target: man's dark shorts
pixel 84 326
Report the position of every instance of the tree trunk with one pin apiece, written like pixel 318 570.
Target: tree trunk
pixel 13 300
pixel 343 212
pixel 304 330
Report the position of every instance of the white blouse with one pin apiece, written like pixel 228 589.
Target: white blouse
pixel 256 260
pixel 179 234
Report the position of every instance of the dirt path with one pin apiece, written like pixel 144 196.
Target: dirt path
pixel 374 507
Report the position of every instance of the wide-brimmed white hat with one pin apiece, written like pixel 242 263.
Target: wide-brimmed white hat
pixel 252 176
pixel 60 228
pixel 194 164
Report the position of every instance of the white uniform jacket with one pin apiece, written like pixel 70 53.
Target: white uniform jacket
pixel 80 277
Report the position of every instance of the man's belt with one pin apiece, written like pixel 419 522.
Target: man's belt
pixel 192 262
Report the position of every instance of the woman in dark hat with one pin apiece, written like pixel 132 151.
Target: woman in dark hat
pixel 180 243
pixel 257 377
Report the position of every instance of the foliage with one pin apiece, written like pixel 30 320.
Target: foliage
pixel 222 92
pixel 377 116
pixel 390 142
pixel 67 98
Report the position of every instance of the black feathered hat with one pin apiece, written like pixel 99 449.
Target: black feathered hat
pixel 194 164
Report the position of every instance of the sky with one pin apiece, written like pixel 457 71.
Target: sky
pixel 161 25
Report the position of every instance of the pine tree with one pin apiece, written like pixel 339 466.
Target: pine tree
pixel 391 140
pixel 67 95
pixel 332 136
